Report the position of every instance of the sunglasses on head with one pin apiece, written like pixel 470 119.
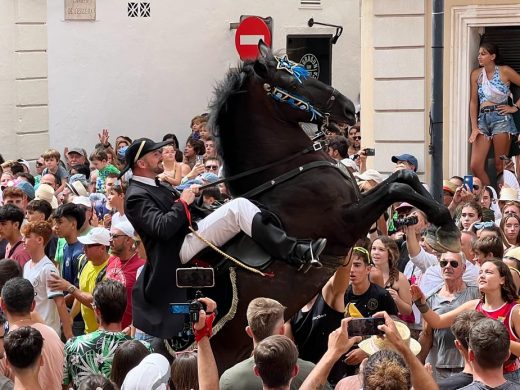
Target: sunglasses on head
pixel 364 251
pixel 483 225
pixel 453 263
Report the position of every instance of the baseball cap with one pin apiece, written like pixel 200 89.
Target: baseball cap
pixel 82 200
pixel 79 151
pixel 27 188
pixel 152 373
pixel 406 157
pixel 138 149
pixel 405 205
pixel 97 235
pixel 124 227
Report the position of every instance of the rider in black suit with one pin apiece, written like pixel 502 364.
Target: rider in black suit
pixel 161 216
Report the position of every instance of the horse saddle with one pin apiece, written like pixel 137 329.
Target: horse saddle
pixel 241 247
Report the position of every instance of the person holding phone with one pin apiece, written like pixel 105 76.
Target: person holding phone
pixel 490 113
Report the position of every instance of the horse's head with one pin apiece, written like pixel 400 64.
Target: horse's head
pixel 308 99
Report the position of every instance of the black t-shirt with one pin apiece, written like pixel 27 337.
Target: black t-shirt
pixel 456 381
pixel 373 300
pixel 311 329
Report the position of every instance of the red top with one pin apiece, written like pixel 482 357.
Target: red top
pixel 125 272
pixel 502 314
pixel 18 253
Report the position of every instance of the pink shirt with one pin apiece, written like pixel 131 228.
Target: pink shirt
pixel 17 253
pixel 126 273
pixel 51 373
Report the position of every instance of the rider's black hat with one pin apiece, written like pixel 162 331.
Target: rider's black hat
pixel 138 149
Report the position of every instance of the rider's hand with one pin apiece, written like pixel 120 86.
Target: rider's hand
pixel 188 195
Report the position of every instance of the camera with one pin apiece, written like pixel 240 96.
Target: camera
pixel 406 221
pixel 191 308
pixel 194 277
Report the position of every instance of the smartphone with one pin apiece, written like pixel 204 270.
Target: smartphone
pixel 468 182
pixel 365 326
pixel 370 152
pixel 199 159
pixel 195 277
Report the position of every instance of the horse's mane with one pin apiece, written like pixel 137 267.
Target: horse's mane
pixel 231 85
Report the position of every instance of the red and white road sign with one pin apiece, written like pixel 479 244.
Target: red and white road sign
pixel 249 32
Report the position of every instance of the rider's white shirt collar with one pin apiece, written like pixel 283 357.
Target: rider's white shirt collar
pixel 145 180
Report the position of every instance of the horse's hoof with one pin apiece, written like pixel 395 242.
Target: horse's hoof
pixel 431 240
pixel 449 240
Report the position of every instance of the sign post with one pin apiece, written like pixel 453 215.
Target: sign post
pixel 248 34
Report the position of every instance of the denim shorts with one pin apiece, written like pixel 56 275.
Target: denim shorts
pixel 492 123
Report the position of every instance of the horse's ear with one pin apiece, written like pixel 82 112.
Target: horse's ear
pixel 263 49
pixel 260 65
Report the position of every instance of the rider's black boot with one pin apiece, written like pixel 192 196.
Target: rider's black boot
pixel 276 242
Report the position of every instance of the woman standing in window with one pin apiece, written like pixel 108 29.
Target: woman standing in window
pixel 491 120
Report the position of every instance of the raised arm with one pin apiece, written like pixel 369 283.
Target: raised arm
pixel 334 290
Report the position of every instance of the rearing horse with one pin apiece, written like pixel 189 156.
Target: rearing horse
pixel 255 119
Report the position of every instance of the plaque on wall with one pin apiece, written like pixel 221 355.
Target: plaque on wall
pixel 80 9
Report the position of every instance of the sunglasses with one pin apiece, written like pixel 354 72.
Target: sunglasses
pixel 114 236
pixel 476 187
pixel 364 251
pixel 453 263
pixel 483 225
pixel 38 164
pixel 211 167
pixel 357 138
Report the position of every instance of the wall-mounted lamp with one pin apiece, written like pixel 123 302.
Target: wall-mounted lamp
pixel 339 29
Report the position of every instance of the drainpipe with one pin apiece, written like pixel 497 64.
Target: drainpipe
pixel 435 147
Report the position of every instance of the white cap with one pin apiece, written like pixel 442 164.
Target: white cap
pixel 97 235
pixel 370 174
pixel 152 373
pixel 124 227
pixel 82 200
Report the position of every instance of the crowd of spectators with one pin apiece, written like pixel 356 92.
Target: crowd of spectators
pixel 70 259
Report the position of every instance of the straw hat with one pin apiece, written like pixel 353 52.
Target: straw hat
pixel 77 188
pixel 46 192
pixel 375 343
pixel 449 186
pixel 508 194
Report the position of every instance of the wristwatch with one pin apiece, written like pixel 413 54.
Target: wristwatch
pixel 71 289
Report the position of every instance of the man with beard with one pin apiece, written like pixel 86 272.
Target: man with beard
pixel 162 218
pixel 354 140
pixel 124 263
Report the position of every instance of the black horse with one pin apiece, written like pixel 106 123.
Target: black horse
pixel 254 119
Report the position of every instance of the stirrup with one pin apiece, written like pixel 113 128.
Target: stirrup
pixel 313 262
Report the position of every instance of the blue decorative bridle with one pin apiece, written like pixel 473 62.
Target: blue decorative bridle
pixel 300 74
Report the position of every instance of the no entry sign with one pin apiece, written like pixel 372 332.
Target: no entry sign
pixel 249 32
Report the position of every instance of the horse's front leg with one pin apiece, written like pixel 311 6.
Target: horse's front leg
pixel 376 201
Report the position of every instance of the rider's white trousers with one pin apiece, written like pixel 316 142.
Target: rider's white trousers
pixel 220 226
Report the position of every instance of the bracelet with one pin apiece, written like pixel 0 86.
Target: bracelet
pixel 423 307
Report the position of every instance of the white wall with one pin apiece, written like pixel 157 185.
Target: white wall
pixel 149 76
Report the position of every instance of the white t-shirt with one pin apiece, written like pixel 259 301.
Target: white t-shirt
pixel 38 274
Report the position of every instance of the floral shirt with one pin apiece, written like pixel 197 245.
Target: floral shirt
pixel 91 354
